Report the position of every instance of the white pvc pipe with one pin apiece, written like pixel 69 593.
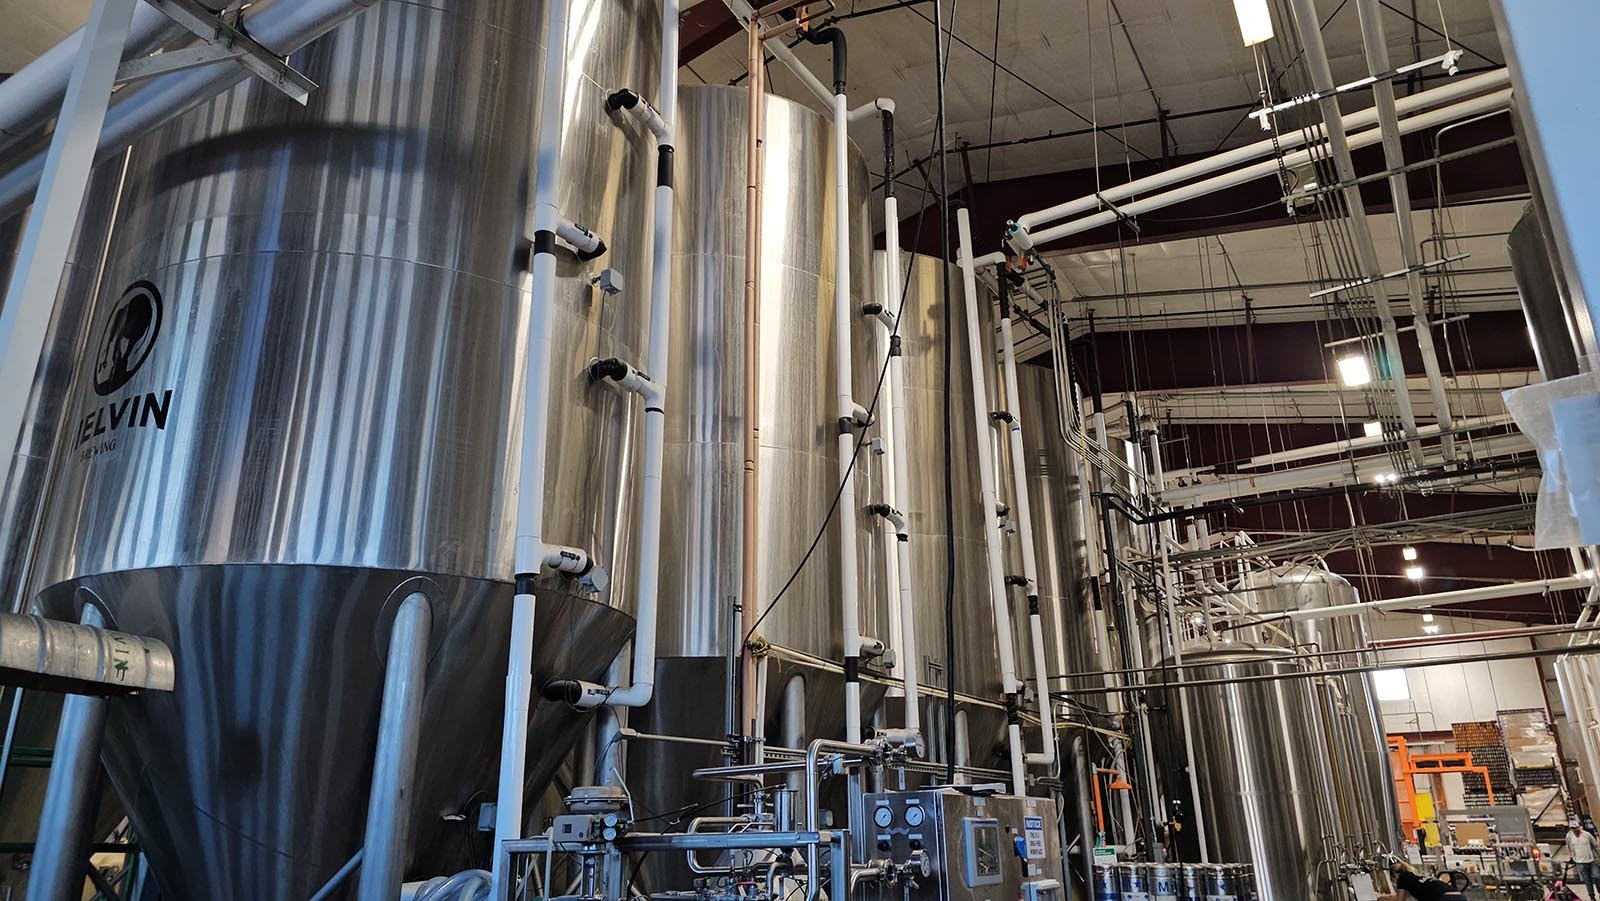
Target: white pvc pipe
pixel 978 360
pixel 1030 562
pixel 846 421
pixel 531 465
pixel 1455 90
pixel 1463 596
pixel 1484 104
pixel 900 457
pixel 282 26
pixel 31 96
pixel 659 362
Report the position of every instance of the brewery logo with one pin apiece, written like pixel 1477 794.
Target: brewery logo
pixel 128 336
pixel 130 333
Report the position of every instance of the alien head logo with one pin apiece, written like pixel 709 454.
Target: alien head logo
pixel 130 333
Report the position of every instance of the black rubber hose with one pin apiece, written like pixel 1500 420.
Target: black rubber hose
pixel 841 55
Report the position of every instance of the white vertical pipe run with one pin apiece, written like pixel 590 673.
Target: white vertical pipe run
pixel 42 254
pixel 659 361
pixel 531 467
pixel 1030 562
pixel 977 353
pixel 849 566
pixel 900 455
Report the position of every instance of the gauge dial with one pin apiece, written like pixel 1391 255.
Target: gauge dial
pixel 914 816
pixel 883 816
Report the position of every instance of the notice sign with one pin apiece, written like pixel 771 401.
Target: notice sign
pixel 1033 831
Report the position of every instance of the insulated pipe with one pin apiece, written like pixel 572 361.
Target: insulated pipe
pixel 62 852
pixel 32 94
pixel 283 26
pixel 1491 102
pixel 394 764
pixel 749 542
pixel 792 731
pixel 977 353
pixel 1394 156
pixel 900 440
pixel 1012 419
pixel 848 418
pixel 1316 57
pixel 1447 93
pixel 529 547
pixel 1463 596
pixel 659 362
pixel 1083 777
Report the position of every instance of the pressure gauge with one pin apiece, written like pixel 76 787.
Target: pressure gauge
pixel 914 816
pixel 883 816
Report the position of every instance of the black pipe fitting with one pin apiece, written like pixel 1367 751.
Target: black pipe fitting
pixel 611 368
pixel 841 56
pixel 565 691
pixel 888 156
pixel 623 99
pixel 598 252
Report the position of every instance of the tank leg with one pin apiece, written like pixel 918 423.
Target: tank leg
pixel 395 761
pixel 61 859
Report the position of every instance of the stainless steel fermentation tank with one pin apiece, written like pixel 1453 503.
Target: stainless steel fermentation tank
pixel 1262 766
pixel 298 398
pixel 1351 718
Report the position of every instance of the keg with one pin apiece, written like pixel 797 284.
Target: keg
pixel 1192 886
pixel 1163 881
pixel 1247 883
pixel 1222 883
pixel 1105 883
pixel 1133 881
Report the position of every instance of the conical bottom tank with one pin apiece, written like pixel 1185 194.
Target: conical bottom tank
pixel 298 390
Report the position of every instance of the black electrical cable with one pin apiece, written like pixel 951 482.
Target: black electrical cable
pixel 949 482
pixel 861 435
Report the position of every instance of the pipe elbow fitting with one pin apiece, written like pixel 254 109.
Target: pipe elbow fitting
pixel 621 100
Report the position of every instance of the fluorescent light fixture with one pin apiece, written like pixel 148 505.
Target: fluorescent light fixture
pixel 1427 617
pixel 1387 478
pixel 1373 429
pixel 1255 21
pixel 1431 630
pixel 1408 552
pixel 1391 685
pixel 1585 574
pixel 1354 371
pixel 1415 573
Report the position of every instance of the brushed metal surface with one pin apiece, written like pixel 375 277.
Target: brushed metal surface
pixel 705 406
pixel 1364 772
pixel 1059 546
pixel 341 324
pixel 1261 775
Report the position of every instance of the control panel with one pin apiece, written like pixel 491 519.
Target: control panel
pixel 980 847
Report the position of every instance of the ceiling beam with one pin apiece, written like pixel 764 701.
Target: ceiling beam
pixel 704 26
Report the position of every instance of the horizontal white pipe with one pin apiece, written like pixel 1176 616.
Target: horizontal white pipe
pixel 1421 122
pixel 1464 596
pixel 1455 90
pixel 1333 473
pixel 1313 451
pixel 282 26
pixel 872 108
pixel 31 96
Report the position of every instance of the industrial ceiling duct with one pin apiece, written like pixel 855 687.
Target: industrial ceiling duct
pixel 299 401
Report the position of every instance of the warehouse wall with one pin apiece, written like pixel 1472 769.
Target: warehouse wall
pixel 1458 692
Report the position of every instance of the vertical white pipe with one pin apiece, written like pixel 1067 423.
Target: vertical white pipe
pixel 659 362
pixel 531 466
pixel 977 352
pixel 1030 562
pixel 394 764
pixel 900 454
pixel 849 566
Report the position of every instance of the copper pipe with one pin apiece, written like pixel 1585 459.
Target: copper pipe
pixel 749 599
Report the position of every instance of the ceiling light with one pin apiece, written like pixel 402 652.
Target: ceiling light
pixel 1410 553
pixel 1255 21
pixel 1373 429
pixel 1585 574
pixel 1414 573
pixel 1431 630
pixel 1354 371
pixel 1391 685
pixel 1427 617
pixel 1387 478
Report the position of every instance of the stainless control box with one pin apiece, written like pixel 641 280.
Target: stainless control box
pixel 979 847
